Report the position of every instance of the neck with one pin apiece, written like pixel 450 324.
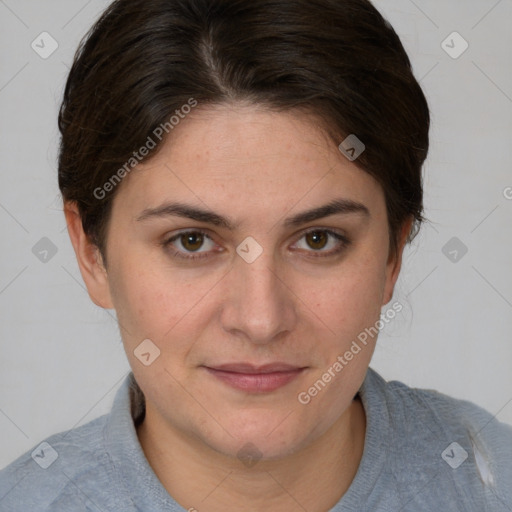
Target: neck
pixel 199 478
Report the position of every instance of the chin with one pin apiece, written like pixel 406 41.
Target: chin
pixel 250 451
pixel 260 439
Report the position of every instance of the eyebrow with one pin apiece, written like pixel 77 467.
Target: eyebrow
pixel 336 206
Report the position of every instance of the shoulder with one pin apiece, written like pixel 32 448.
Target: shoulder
pixel 463 441
pixel 448 415
pixel 63 472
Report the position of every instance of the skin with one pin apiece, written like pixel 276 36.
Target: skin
pixel 257 168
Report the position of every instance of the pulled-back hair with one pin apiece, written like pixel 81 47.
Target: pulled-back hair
pixel 144 59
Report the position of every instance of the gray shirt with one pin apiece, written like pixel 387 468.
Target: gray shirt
pixel 424 451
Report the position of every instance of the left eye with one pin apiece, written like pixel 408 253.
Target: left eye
pixel 316 239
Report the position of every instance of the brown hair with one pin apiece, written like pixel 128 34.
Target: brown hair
pixel 337 59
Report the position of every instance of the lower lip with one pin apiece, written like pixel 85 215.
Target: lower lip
pixel 256 382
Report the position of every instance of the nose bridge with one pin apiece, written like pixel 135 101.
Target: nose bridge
pixel 258 302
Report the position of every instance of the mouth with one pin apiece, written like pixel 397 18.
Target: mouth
pixel 255 379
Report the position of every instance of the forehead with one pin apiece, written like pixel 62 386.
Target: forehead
pixel 220 155
pixel 227 137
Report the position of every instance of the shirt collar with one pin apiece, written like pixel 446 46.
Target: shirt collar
pixel 140 481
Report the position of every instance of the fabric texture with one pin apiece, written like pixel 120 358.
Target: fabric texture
pixel 424 451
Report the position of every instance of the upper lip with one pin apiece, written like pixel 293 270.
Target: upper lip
pixel 253 369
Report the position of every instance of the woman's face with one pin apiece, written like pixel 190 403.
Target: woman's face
pixel 243 285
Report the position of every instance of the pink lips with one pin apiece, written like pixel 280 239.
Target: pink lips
pixel 255 379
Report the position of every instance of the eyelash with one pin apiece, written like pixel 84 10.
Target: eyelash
pixel 344 243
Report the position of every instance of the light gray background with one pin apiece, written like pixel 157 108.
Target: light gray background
pixel 61 358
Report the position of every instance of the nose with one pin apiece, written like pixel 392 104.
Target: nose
pixel 259 304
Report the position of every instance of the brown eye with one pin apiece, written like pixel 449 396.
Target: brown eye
pixel 186 243
pixel 192 241
pixel 317 239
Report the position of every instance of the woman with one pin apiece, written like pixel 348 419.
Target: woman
pixel 239 182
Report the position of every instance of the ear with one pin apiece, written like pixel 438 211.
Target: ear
pixel 394 263
pixel 89 259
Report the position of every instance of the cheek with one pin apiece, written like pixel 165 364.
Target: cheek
pixel 352 299
pixel 159 305
pixel 142 301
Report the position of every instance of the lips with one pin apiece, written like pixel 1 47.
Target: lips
pixel 248 368
pixel 255 379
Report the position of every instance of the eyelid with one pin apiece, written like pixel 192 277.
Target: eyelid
pixel 167 241
pixel 343 241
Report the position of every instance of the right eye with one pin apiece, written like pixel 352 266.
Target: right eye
pixel 190 240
